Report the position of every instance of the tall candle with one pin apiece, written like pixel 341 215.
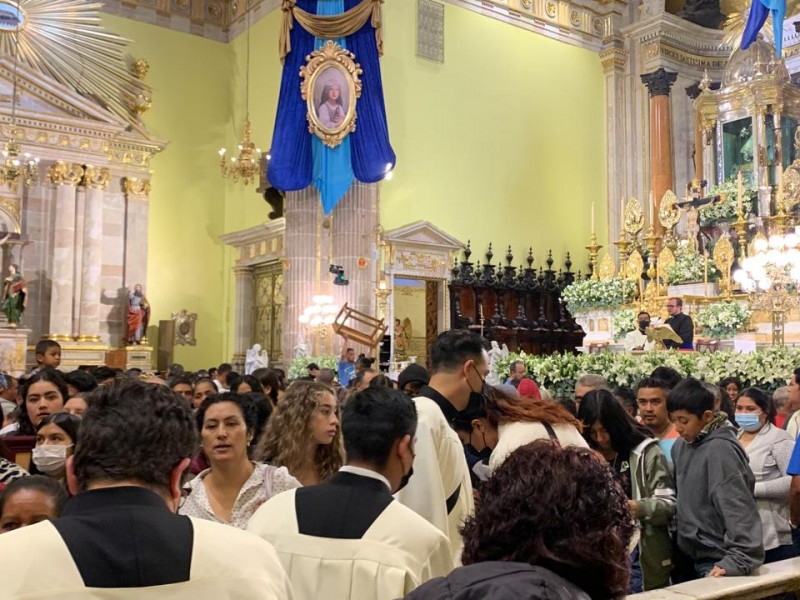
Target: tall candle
pixel 705 271
pixel 592 218
pixel 622 216
pixel 780 190
pixel 739 193
pixel 652 203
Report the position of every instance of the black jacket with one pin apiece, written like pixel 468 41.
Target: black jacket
pixel 499 581
pixel 684 326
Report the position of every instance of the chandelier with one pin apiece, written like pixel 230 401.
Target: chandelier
pixel 17 167
pixel 248 164
pixel 772 276
pixel 320 314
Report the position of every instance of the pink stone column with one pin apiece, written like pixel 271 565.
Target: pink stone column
pixel 355 220
pixel 92 265
pixel 300 266
pixel 65 177
pixel 244 312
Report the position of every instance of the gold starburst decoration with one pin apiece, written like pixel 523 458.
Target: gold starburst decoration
pixel 66 40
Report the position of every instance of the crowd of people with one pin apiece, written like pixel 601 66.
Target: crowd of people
pixel 349 484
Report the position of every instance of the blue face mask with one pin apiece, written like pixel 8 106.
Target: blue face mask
pixel 748 421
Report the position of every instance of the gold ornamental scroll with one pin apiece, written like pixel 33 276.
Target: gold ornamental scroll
pixel 723 260
pixel 633 217
pixel 330 27
pixel 607 268
pixel 668 215
pixel 666 260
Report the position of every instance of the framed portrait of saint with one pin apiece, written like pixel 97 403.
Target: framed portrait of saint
pixel 331 86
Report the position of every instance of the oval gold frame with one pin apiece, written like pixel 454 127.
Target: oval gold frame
pixel 331 55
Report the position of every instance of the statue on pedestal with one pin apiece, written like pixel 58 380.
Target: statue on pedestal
pixel 138 315
pixel 255 359
pixel 15 294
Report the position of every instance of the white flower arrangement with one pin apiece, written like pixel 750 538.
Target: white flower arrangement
pixel 623 322
pixel 767 369
pixel 689 266
pixel 593 294
pixel 724 211
pixel 297 368
pixel 723 319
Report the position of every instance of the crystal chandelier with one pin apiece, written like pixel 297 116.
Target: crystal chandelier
pixel 17 167
pixel 771 276
pixel 246 166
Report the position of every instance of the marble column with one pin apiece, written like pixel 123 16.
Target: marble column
pixel 355 220
pixel 244 312
pixel 614 59
pixel 96 181
pixel 300 279
pixel 137 213
pixel 66 178
pixel 658 85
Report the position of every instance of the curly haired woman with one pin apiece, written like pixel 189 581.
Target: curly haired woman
pixel 552 523
pixel 303 434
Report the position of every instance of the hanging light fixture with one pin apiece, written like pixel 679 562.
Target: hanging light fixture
pixel 17 167
pixel 245 166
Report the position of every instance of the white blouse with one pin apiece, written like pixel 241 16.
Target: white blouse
pixel 265 482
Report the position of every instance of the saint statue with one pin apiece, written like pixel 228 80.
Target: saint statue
pixel 400 340
pixel 138 315
pixel 15 296
pixel 255 359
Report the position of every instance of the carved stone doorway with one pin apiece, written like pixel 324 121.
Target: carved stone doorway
pixel 268 301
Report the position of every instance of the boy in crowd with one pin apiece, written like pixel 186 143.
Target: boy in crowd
pixel 719 529
pixel 48 354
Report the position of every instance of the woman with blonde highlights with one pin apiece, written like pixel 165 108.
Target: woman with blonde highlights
pixel 303 434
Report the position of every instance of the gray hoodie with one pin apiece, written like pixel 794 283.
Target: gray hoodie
pixel 717 515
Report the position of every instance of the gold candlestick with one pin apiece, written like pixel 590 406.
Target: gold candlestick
pixel 651 239
pixel 740 225
pixel 622 245
pixel 594 249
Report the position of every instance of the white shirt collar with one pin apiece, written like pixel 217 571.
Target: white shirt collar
pixel 366 473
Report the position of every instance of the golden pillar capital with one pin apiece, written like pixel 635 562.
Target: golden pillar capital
pixel 61 173
pixel 136 186
pixel 96 177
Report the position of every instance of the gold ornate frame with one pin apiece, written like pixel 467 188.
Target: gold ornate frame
pixel 331 56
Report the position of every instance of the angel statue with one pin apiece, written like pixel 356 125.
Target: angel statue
pixel 495 355
pixel 401 335
pixel 255 359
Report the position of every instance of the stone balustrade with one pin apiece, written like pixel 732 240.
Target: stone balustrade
pixel 774 580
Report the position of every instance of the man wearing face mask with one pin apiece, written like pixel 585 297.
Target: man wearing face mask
pixel 119 537
pixel 349 538
pixel 637 339
pixel 441 490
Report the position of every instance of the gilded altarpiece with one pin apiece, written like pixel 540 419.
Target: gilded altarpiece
pixel 268 301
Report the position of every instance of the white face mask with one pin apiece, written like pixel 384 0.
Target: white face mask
pixel 50 459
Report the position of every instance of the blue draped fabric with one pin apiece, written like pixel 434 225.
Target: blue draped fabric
pixel 759 11
pixel 292 166
pixel 333 169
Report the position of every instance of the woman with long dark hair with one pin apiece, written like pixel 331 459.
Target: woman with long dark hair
pixel 768 449
pixel 642 471
pixel 42 394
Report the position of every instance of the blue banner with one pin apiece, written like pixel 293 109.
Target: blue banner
pixel 299 158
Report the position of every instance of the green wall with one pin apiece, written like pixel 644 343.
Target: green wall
pixel 190 77
pixel 504 142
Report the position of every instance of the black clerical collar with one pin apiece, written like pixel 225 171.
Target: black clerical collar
pixel 450 412
pixel 92 501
